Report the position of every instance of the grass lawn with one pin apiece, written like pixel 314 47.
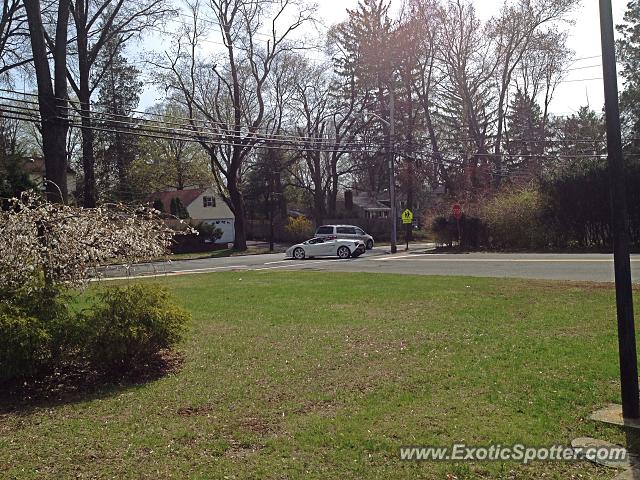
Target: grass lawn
pixel 321 375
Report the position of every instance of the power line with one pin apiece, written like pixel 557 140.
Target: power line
pixel 228 131
pixel 137 131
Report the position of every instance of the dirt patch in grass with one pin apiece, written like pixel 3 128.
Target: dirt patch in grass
pixel 241 451
pixel 257 425
pixel 322 407
pixel 197 410
pixel 74 382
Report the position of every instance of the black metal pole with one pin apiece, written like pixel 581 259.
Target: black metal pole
pixel 624 291
pixel 271 195
pixel 392 173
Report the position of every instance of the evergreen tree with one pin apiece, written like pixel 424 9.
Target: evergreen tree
pixel 178 209
pixel 365 42
pixel 265 189
pixel 525 134
pixel 13 178
pixel 629 56
pixel 118 96
pixel 368 62
pixel 582 140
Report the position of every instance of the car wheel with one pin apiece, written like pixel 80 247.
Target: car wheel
pixel 344 252
pixel 369 244
pixel 298 253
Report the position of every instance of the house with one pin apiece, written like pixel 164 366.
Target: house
pixel 203 205
pixel 35 169
pixel 369 204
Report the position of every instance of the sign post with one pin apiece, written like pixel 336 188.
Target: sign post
pixel 457 213
pixel 407 221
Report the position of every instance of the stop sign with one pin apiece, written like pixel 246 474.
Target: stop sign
pixel 457 211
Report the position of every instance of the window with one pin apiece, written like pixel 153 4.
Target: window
pixel 208 202
pixel 346 230
pixel 325 231
pixel 359 231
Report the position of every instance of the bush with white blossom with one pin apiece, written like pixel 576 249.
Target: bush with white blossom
pixel 48 250
pixel 62 244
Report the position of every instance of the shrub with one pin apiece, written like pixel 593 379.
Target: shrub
pixel 513 219
pixel 577 209
pixel 299 228
pixel 48 249
pixel 25 344
pixel 472 231
pixel 177 208
pixel 65 245
pixel 158 205
pixel 130 325
pixel 444 232
pixel 209 232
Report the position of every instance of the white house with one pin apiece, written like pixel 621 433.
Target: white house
pixel 35 169
pixel 203 205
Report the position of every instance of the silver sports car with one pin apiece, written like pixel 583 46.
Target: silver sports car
pixel 326 247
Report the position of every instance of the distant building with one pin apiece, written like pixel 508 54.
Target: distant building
pixel 371 205
pixel 35 169
pixel 203 205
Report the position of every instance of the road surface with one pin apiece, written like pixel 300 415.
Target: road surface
pixel 420 261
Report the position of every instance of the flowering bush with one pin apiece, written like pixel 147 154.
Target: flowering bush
pixel 299 228
pixel 46 250
pixel 513 218
pixel 45 243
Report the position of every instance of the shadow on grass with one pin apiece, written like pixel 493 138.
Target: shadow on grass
pixel 75 383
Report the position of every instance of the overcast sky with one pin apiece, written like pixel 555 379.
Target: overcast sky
pixel 583 83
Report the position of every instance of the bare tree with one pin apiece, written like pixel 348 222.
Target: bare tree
pixel 514 32
pixel 13 33
pixel 100 25
pixel 227 93
pixel 466 100
pixel 543 67
pixel 422 25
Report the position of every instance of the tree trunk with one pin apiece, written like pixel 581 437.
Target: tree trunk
pixel 318 206
pixel 333 194
pixel 239 210
pixel 88 162
pixel 84 95
pixel 52 98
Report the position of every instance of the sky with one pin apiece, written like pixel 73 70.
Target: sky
pixel 583 84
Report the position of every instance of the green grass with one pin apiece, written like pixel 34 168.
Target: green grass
pixel 320 375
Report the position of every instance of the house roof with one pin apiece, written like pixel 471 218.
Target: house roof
pixel 369 202
pixel 187 197
pixel 35 165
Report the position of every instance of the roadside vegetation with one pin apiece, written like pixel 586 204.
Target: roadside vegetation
pixel 564 209
pixel 320 375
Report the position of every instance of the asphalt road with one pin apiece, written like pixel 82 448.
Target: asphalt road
pixel 420 261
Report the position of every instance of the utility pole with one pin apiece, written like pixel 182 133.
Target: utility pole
pixel 271 193
pixel 392 173
pixel 624 292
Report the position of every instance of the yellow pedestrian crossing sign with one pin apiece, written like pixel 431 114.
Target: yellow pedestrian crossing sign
pixel 407 217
